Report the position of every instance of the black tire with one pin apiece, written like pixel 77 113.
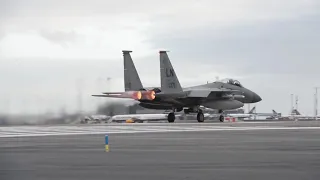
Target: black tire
pixel 171 117
pixel 221 118
pixel 200 117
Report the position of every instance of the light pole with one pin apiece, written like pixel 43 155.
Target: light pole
pixel 99 82
pixel 297 102
pixel 108 84
pixel 316 102
pixel 79 86
pixel 291 108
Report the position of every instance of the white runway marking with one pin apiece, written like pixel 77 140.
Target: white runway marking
pixel 29 131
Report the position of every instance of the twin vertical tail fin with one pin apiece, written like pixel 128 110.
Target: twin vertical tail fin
pixel 132 80
pixel 169 79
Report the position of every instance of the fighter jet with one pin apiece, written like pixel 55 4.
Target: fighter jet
pixel 221 95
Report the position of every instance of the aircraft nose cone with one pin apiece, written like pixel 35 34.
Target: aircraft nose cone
pixel 256 98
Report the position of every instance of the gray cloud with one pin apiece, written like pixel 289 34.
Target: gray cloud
pixel 2 34
pixel 59 36
pixel 270 45
pixel 276 58
pixel 274 47
pixel 74 8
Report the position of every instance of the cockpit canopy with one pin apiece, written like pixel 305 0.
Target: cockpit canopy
pixel 232 82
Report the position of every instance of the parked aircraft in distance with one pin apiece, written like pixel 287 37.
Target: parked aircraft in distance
pixel 138 117
pixel 296 115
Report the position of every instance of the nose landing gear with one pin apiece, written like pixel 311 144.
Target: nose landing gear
pixel 221 117
pixel 200 116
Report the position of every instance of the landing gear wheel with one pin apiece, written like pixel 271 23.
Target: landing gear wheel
pixel 171 117
pixel 221 118
pixel 200 117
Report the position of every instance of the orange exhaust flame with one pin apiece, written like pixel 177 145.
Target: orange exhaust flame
pixel 137 95
pixel 150 95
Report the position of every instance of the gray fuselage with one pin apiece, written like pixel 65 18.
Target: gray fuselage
pixel 167 102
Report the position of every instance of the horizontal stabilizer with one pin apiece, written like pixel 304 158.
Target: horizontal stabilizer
pixel 107 95
pixel 127 94
pixel 117 96
pixel 113 93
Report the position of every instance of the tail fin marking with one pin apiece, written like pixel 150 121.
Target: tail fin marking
pixel 169 79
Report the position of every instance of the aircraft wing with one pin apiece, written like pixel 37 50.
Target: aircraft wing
pixel 129 94
pixel 113 93
pixel 109 95
pixel 137 95
pixel 203 93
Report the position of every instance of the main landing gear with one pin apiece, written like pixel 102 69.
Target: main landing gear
pixel 200 116
pixel 171 117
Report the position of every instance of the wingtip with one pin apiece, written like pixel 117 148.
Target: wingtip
pixel 126 51
pixel 163 51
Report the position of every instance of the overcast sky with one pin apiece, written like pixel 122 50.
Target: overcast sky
pixel 49 48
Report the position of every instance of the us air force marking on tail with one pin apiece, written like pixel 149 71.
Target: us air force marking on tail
pixel 170 73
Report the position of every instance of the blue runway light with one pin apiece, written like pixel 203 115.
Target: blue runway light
pixel 107 143
pixel 106 139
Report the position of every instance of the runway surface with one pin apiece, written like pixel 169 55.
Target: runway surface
pixel 288 150
pixel 27 131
